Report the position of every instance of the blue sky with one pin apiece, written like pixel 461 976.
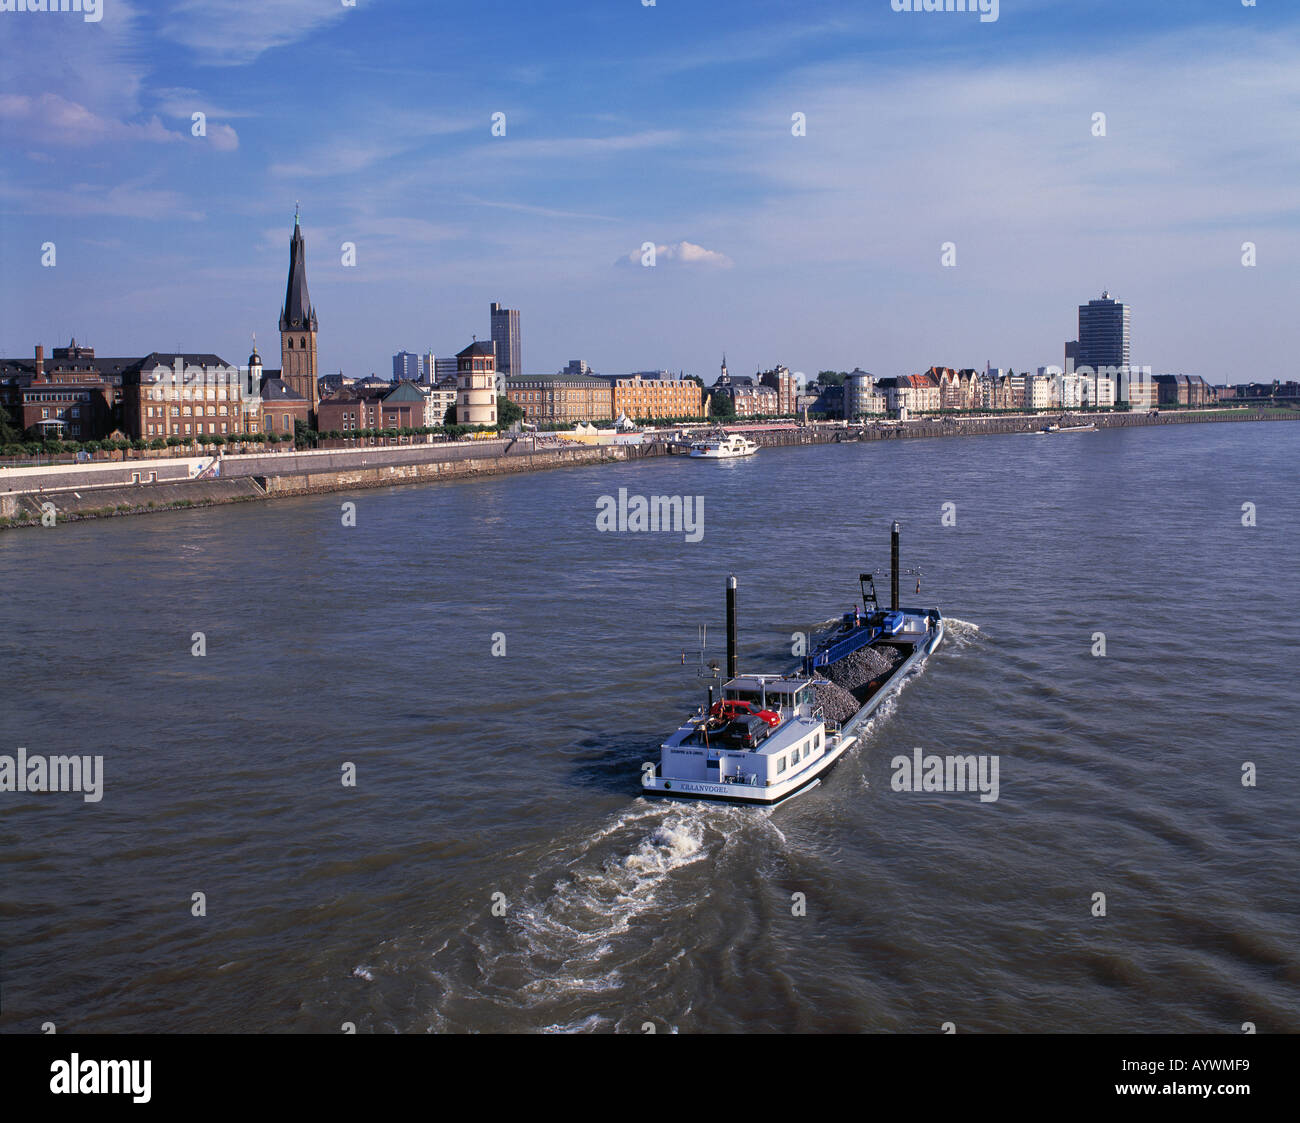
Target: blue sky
pixel 668 124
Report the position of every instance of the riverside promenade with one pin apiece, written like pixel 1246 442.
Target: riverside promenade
pixel 42 495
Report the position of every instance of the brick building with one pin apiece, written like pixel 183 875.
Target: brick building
pixel 561 398
pixel 349 411
pixel 780 380
pixel 171 394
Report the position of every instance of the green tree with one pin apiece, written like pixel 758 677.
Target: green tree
pixel 507 412
pixel 721 406
pixel 832 377
pixel 10 434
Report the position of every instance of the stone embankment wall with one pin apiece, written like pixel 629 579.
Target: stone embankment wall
pixel 341 471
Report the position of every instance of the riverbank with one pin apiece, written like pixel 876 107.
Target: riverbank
pixel 253 478
pixel 33 497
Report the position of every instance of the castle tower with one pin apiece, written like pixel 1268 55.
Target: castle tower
pixel 298 325
pixel 476 385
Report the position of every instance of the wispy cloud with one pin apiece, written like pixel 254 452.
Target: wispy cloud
pixel 544 212
pixel 80 200
pixel 237 32
pixel 568 148
pixel 53 119
pixel 182 101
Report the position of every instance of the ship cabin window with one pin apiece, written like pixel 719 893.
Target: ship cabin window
pixel 780 764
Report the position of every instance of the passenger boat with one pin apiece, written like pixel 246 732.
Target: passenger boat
pixel 1090 427
pixel 769 737
pixel 724 448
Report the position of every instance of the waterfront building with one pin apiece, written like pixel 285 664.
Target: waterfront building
pixel 64 397
pixel 1103 334
pixel 917 393
pixel 446 368
pixel 953 394
pixel 826 401
pixel 1098 389
pixel 1183 390
pixel 1037 391
pixel 476 377
pixel 649 398
pixel 1138 388
pixel 752 399
pixel 175 394
pixel 298 325
pixel 780 380
pixel 505 334
pixel 403 407
pixel 440 397
pixel 748 397
pixel 562 398
pixel 1068 392
pixel 349 410
pixel 282 407
pixel 861 398
pixel 71 394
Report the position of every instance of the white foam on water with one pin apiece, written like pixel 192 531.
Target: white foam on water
pixel 585 1025
pixel 571 933
pixel 959 633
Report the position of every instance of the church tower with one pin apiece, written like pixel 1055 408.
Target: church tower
pixel 298 326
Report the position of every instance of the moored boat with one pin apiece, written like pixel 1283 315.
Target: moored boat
pixel 724 448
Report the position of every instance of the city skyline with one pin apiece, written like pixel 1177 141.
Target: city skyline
pixel 764 246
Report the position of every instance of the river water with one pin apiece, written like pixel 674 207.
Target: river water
pixel 495 868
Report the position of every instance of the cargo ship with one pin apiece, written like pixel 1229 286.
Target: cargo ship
pixel 772 736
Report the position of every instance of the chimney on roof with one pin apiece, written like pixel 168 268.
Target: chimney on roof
pixel 40 361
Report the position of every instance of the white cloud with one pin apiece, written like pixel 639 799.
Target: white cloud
pixel 223 138
pixel 680 253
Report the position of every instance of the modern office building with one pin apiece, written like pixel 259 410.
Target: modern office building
pixel 505 334
pixel 861 396
pixel 1103 334
pixel 411 367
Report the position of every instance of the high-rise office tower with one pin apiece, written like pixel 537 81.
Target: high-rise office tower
pixel 407 365
pixel 1103 334
pixel 505 334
